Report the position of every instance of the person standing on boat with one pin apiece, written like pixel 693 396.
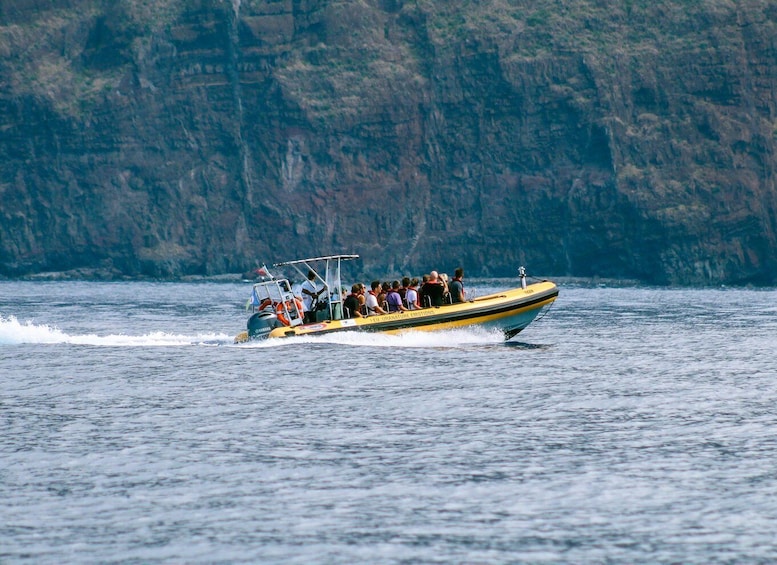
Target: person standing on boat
pixel 310 294
pixel 456 287
pixel 373 308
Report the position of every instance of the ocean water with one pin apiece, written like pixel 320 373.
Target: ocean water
pixel 629 425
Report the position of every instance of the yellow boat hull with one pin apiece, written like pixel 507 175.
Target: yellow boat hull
pixel 509 311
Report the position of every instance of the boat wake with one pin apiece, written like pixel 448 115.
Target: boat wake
pixel 13 332
pixel 415 339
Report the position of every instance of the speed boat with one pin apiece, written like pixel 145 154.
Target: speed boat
pixel 277 312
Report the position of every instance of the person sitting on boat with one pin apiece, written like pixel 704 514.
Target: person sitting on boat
pixel 446 295
pixel 351 303
pixel 456 287
pixel 394 299
pixel 421 296
pixel 385 287
pixel 373 308
pixel 433 290
pixel 363 299
pixel 411 295
pixel 403 289
pixel 310 294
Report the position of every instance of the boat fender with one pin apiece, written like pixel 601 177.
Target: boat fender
pixel 242 337
pixel 280 311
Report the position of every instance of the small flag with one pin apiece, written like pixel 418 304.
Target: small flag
pixel 262 272
pixel 254 300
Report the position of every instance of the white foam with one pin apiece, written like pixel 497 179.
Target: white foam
pixel 421 339
pixel 12 332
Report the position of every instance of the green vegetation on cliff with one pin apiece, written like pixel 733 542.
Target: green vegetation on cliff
pixel 164 138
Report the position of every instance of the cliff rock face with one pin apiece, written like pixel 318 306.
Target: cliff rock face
pixel 200 137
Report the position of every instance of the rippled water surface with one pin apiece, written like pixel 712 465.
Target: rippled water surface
pixel 629 425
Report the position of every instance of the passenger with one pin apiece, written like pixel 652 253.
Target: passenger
pixel 384 289
pixel 433 290
pixel 411 296
pixel 351 303
pixel 373 308
pixel 457 286
pixel 446 295
pixel 310 294
pixel 394 299
pixel 362 299
pixel 421 296
pixel 403 289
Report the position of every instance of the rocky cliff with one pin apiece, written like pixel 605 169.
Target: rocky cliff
pixel 578 138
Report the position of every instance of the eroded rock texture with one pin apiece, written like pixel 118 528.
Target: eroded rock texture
pixel 578 138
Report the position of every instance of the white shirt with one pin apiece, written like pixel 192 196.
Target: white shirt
pixel 412 297
pixel 371 301
pixel 307 300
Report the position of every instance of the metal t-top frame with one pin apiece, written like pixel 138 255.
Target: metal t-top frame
pixel 330 279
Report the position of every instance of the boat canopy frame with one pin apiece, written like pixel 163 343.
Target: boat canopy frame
pixel 331 278
pixel 276 296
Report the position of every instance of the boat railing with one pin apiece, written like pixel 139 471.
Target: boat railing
pixel 327 273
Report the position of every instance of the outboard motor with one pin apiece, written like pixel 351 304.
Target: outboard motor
pixel 261 324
